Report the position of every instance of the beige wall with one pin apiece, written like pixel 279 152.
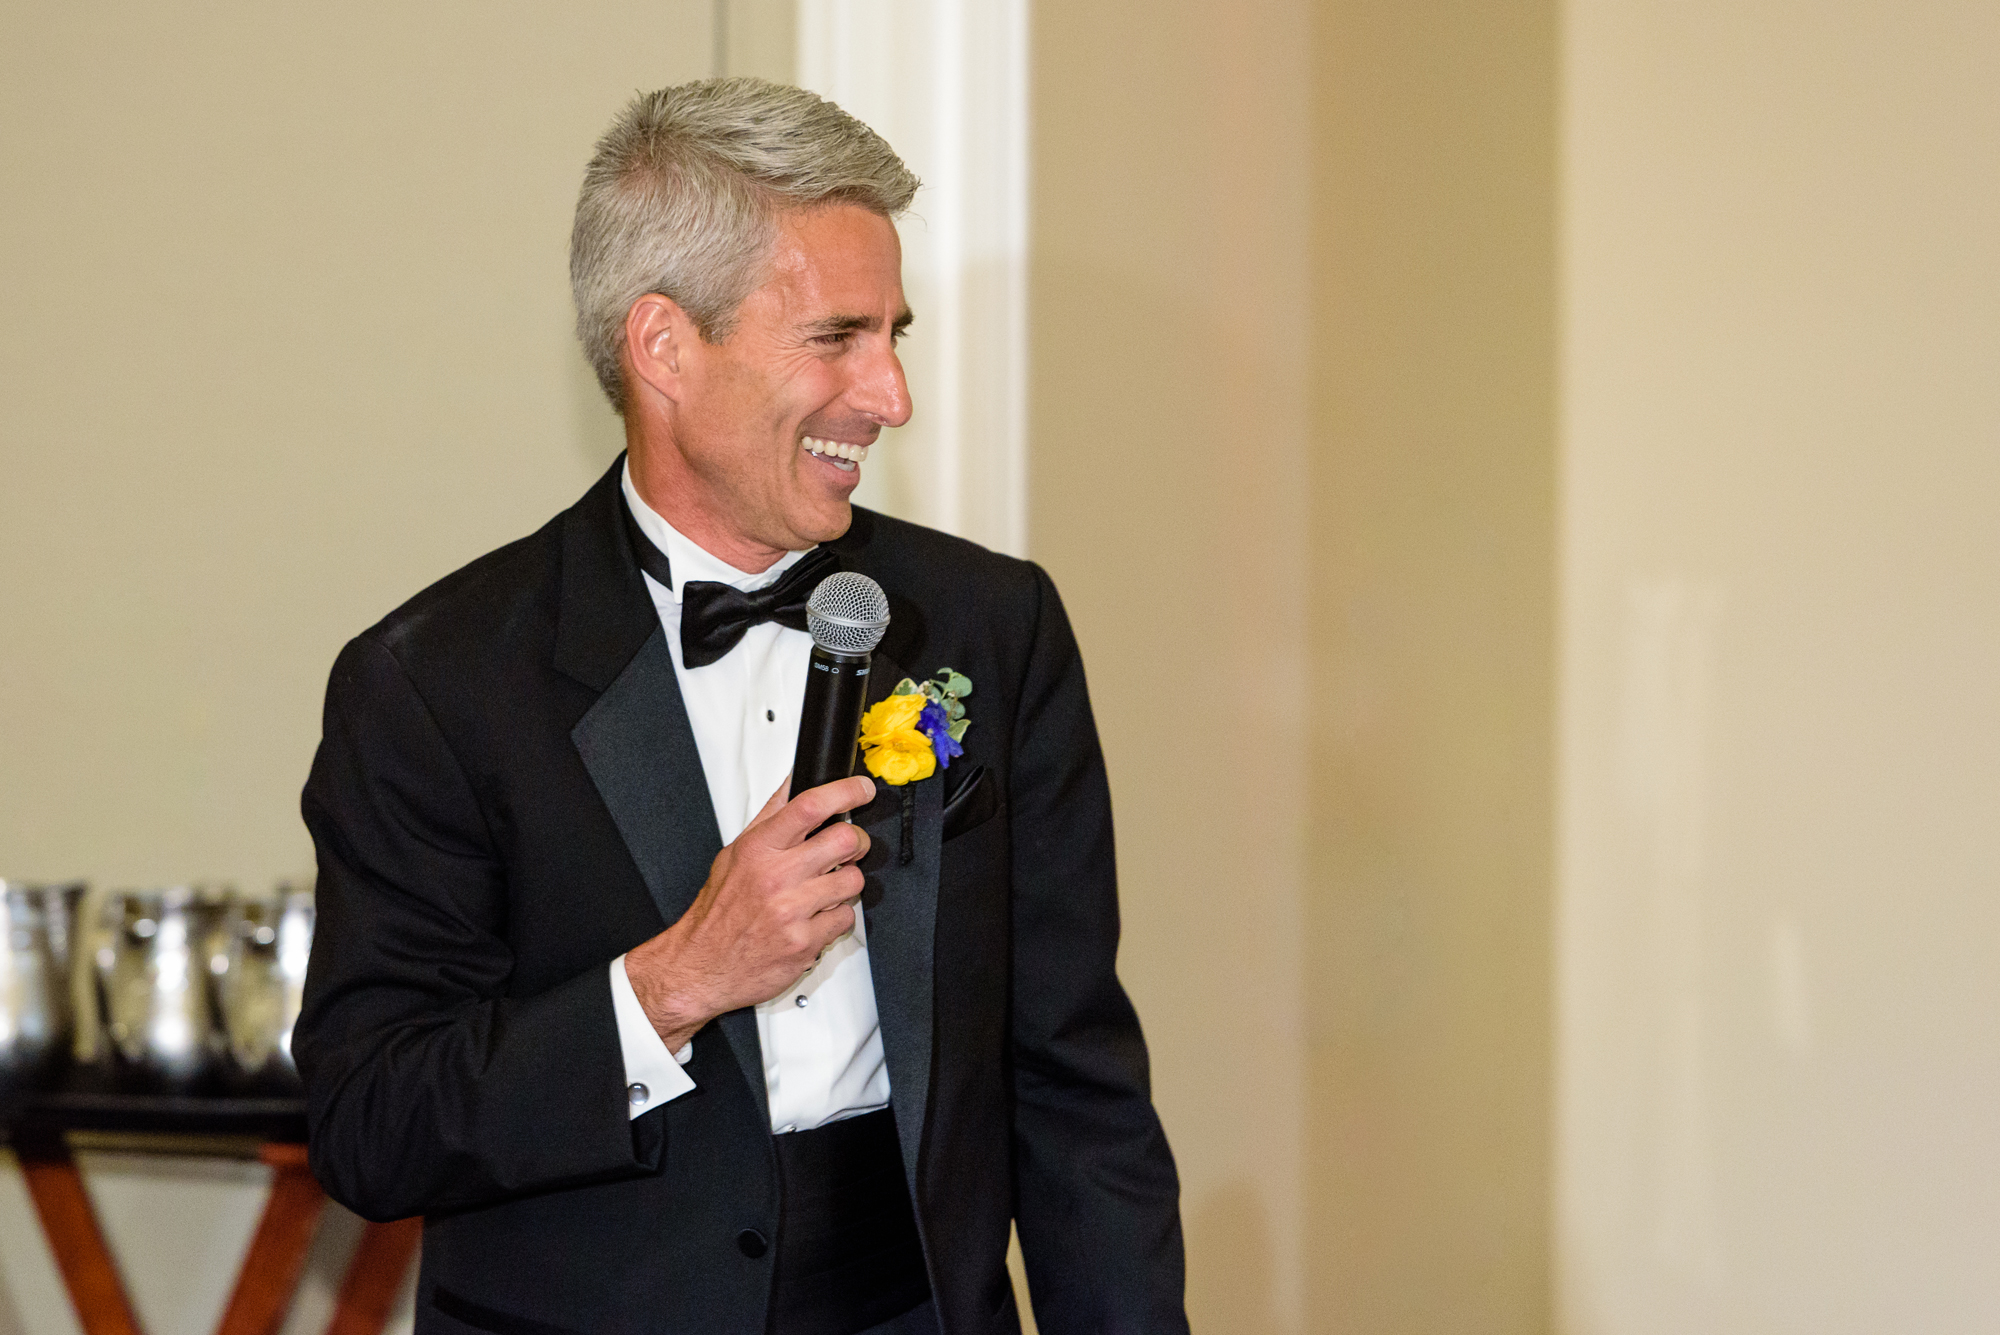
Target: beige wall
pixel 1293 467
pixel 286 337
pixel 1168 433
pixel 1638 488
pixel 1780 938
pixel 1432 558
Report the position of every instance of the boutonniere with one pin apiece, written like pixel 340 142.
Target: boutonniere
pixel 916 729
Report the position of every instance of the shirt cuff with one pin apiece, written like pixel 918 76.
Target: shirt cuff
pixel 653 1075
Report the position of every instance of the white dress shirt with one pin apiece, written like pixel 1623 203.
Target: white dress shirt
pixel 821 1038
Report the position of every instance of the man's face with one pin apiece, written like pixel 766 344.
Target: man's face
pixel 808 374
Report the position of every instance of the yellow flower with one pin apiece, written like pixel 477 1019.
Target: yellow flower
pixel 895 750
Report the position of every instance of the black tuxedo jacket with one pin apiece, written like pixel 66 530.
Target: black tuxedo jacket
pixel 507 796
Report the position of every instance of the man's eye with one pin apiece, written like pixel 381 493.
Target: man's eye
pixel 830 340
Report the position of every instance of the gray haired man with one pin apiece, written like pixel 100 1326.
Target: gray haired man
pixel 652 1044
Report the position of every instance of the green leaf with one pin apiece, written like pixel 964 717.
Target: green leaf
pixel 905 687
pixel 954 710
pixel 957 730
pixel 930 691
pixel 958 685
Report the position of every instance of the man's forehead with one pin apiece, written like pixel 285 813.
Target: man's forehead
pixel 838 270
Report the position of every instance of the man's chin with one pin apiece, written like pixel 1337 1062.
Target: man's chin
pixel 824 523
pixel 835 525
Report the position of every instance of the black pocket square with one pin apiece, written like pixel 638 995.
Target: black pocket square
pixel 973 802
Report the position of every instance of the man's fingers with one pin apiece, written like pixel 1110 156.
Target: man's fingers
pixel 822 869
pixel 837 843
pixel 842 885
pixel 811 809
pixel 838 920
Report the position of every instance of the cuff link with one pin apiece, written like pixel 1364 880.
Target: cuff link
pixel 637 1094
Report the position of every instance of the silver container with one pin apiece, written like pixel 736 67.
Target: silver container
pixel 64 904
pixel 36 1021
pixel 155 975
pixel 269 938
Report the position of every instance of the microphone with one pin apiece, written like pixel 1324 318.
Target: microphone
pixel 847 616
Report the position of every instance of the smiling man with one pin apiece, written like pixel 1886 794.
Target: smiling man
pixel 594 992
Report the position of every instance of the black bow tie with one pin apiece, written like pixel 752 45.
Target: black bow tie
pixel 715 616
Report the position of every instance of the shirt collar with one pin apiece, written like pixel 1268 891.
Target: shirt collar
pixel 688 559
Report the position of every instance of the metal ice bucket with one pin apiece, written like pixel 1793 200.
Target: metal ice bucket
pixel 154 972
pixel 36 927
pixel 268 940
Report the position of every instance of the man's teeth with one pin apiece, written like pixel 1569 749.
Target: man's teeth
pixel 843 455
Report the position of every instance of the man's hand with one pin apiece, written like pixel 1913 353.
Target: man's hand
pixel 773 901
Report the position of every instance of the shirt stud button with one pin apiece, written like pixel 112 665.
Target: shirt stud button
pixel 637 1094
pixel 770 716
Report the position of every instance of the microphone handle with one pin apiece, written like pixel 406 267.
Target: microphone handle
pixel 830 721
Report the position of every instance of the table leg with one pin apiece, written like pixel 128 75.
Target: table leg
pixel 70 1223
pixel 269 1277
pixel 375 1277
pixel 270 1274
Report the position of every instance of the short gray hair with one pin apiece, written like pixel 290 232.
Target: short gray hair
pixel 684 193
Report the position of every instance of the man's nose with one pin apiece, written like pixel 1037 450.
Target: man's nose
pixel 879 388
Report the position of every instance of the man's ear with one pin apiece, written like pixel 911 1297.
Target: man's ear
pixel 658 337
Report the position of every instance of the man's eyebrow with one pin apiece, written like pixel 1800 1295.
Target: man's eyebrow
pixel 848 324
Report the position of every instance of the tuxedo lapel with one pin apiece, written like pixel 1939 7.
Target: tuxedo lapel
pixel 640 752
pixel 900 908
pixel 635 741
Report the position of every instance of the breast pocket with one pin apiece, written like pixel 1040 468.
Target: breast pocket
pixel 974 801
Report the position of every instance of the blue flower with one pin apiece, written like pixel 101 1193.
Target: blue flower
pixel 935 722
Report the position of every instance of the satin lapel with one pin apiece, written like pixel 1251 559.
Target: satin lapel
pixel 900 907
pixel 640 752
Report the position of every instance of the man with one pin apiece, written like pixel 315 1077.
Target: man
pixel 589 993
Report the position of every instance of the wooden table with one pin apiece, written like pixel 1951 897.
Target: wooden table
pixel 39 1131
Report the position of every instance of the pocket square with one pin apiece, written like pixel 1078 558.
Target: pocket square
pixel 973 802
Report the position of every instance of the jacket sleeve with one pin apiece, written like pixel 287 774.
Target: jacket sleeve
pixel 1097 1198
pixel 429 1087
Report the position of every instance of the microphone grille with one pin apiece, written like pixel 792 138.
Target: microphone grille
pixel 847 613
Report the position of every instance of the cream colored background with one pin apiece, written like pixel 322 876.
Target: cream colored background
pixel 286 336
pixel 1168 438
pixel 1779 933
pixel 1524 477
pixel 1292 464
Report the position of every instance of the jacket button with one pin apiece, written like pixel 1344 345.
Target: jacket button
pixel 751 1243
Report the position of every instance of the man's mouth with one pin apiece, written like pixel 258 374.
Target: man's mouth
pixel 836 452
